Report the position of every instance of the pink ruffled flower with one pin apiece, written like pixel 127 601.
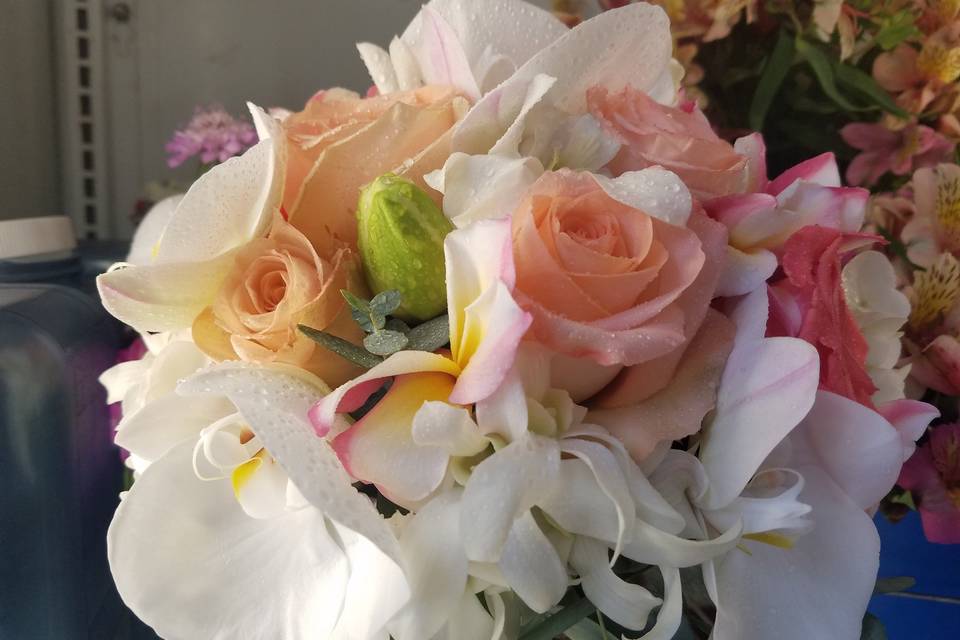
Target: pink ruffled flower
pixel 810 304
pixel 213 135
pixel 933 475
pixel 899 152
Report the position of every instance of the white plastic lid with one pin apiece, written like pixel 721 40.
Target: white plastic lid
pixel 35 236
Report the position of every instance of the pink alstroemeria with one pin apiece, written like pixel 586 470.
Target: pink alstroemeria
pixel 760 221
pixel 899 152
pixel 486 326
pixel 933 475
pixel 936 226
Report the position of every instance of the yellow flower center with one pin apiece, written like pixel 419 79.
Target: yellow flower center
pixel 935 292
pixel 948 212
pixel 939 62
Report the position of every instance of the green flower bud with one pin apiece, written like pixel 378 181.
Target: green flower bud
pixel 400 235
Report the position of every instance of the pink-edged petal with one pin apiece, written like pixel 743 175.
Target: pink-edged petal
pixel 853 444
pixel 494 325
pixel 379 66
pixel 821 169
pixel 733 209
pixel 766 389
pixel 676 411
pixel 380 448
pixel 351 395
pixel 910 418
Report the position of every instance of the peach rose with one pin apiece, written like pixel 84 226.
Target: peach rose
pixel 340 142
pixel 276 283
pixel 678 139
pixel 602 279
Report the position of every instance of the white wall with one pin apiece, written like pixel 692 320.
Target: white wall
pixel 29 152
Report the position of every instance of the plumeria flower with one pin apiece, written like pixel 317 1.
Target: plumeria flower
pixel 761 220
pixel 195 557
pixel 933 475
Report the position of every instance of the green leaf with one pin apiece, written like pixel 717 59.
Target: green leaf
pixel 822 68
pixel 774 71
pixel 551 627
pixel 863 83
pixel 586 629
pixel 362 312
pixel 386 302
pixel 872 628
pixel 385 342
pixel 431 335
pixel 894 585
pixel 396 324
pixel 895 29
pixel 906 499
pixel 344 349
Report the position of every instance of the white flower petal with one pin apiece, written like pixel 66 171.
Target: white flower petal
pixel 655 191
pixel 817 589
pixel 448 427
pixel 484 187
pixel 653 546
pixel 626 604
pixel 191 564
pixel 745 271
pixel 275 401
pixel 501 488
pixel 379 66
pixel 531 565
pixel 436 568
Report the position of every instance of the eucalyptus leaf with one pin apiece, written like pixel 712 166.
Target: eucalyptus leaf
pixel 559 622
pixel 385 342
pixel 431 335
pixel 863 83
pixel 895 584
pixel 872 628
pixel 396 324
pixel 344 349
pixel 774 71
pixel 823 70
pixel 362 313
pixel 385 302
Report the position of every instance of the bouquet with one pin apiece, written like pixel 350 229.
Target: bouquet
pixel 515 346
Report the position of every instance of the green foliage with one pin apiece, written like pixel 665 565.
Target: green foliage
pixel 557 623
pixel 774 72
pixel 872 628
pixel 894 585
pixel 341 347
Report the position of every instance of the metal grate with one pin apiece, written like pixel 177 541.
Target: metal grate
pixel 83 122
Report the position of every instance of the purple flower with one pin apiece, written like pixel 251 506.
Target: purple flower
pixel 213 135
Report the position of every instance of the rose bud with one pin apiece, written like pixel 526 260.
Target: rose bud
pixel 400 236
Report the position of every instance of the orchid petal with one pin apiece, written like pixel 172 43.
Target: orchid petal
pixel 766 390
pixel 501 488
pixel 436 568
pixel 911 419
pixel 653 546
pixel 817 589
pixel 167 421
pixel 856 446
pixel 379 66
pixel 626 604
pixel 260 486
pixel 147 236
pixel 578 504
pixel 442 58
pixel 483 187
pixel 162 297
pixel 745 271
pixel 531 566
pixel 236 576
pixel 821 170
pixel 274 400
pixel 671 613
pixel 225 208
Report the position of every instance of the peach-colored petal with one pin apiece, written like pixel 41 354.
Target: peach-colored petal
pixel 677 410
pixel 638 382
pixel 896 70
